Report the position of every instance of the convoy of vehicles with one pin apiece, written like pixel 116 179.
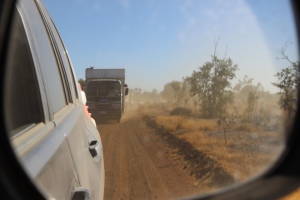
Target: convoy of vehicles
pixel 105 92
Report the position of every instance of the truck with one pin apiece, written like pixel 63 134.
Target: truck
pixel 105 92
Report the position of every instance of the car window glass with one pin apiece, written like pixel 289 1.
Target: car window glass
pixel 23 100
pixel 47 58
pixel 63 55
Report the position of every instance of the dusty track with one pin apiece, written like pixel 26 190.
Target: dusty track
pixel 138 165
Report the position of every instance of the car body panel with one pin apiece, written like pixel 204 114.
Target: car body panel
pixel 56 153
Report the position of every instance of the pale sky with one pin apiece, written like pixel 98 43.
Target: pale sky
pixel 160 41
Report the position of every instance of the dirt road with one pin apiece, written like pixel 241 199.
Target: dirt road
pixel 138 165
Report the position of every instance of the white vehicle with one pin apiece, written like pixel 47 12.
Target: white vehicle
pixel 54 138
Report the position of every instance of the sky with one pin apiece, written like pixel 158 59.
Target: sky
pixel 160 41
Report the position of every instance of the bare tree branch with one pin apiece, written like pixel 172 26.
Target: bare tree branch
pixel 216 43
pixel 226 51
pixel 282 52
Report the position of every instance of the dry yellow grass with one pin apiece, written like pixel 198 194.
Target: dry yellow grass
pixel 241 163
pixel 173 123
pixel 244 127
pixel 238 163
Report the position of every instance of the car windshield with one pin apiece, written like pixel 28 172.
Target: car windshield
pixel 104 88
pixel 104 85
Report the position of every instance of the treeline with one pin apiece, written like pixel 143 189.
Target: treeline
pixel 209 92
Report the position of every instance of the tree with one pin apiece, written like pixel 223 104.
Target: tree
pixel 227 120
pixel 288 83
pixel 171 91
pixel 244 84
pixel 177 92
pixel 252 101
pixel 243 87
pixel 82 83
pixel 212 84
pixel 185 94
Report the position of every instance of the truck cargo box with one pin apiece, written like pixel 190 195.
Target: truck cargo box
pixel 91 73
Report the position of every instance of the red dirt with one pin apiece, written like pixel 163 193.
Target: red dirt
pixel 139 165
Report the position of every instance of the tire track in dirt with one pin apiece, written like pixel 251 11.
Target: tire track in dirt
pixel 110 144
pixel 138 164
pixel 152 180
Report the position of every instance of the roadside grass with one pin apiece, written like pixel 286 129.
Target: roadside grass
pixel 246 126
pixel 249 150
pixel 173 123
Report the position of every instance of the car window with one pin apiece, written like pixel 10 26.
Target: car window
pixel 63 57
pixel 23 100
pixel 48 59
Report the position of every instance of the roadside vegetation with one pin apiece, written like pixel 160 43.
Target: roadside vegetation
pixel 240 125
pixel 249 149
